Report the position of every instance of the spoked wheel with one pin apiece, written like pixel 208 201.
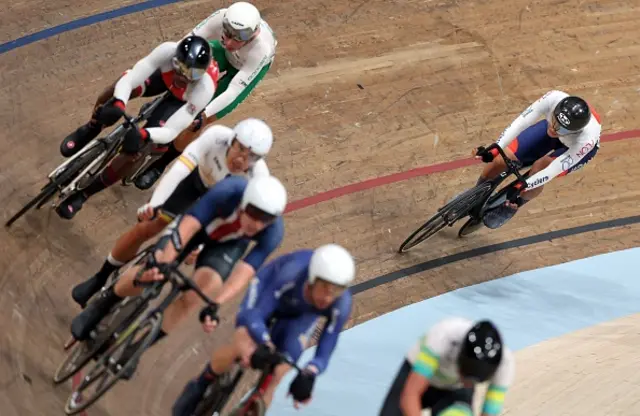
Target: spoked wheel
pixel 113 364
pixel 82 352
pixel 447 215
pixel 256 407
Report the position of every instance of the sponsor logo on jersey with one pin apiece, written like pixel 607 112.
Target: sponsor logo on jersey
pixel 217 161
pixel 566 162
pixel 586 148
pixel 539 181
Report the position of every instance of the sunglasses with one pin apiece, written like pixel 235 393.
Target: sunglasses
pixel 191 74
pixel 239 35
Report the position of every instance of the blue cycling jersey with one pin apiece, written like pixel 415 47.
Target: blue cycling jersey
pixel 219 213
pixel 278 291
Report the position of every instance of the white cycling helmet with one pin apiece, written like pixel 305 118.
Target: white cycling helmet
pixel 254 134
pixel 332 263
pixel 264 198
pixel 241 21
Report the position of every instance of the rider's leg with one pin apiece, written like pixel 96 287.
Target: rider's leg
pixel 237 282
pixel 222 360
pixel 449 402
pixel 209 282
pixel 125 250
pixel 122 164
pixel 213 266
pixel 278 373
pixel 84 134
pixel 391 404
pixel 498 165
pixel 291 337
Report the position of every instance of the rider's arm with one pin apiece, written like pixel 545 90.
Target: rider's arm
pixel 245 269
pixel 411 396
pixel 267 242
pixel 143 69
pixel 329 338
pixel 188 161
pixel 502 379
pixel 220 201
pixel 538 109
pixel 200 94
pixel 238 84
pixel 563 163
pixel 211 27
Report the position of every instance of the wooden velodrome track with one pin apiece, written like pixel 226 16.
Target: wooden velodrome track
pixel 438 78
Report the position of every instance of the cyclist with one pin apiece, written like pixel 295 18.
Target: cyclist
pixel 279 312
pixel 442 369
pixel 234 212
pixel 186 70
pixel 244 47
pixel 217 153
pixel 564 141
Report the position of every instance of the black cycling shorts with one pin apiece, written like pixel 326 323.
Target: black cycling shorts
pixel 434 398
pixel 222 257
pixel 188 191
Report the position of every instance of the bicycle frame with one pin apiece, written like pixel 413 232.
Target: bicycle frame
pixel 111 142
pixel 494 200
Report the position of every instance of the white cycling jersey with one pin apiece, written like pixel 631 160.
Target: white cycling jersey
pixel 248 60
pixel 579 144
pixel 208 153
pixel 435 357
pixel 196 95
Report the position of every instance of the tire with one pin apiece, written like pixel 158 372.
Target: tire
pixel 210 401
pixel 83 352
pixel 44 195
pixel 58 182
pixel 256 408
pixel 149 328
pixel 472 225
pixel 454 210
pixel 219 394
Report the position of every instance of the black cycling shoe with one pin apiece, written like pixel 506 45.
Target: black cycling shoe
pixel 82 292
pixel 148 178
pixel 70 206
pixel 79 139
pixel 86 321
pixel 189 399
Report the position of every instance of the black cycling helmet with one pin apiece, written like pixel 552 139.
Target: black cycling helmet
pixel 480 353
pixel 193 57
pixel 572 113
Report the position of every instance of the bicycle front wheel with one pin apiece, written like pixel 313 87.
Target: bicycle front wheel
pixel 108 370
pixel 457 208
pixel 43 196
pixel 428 229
